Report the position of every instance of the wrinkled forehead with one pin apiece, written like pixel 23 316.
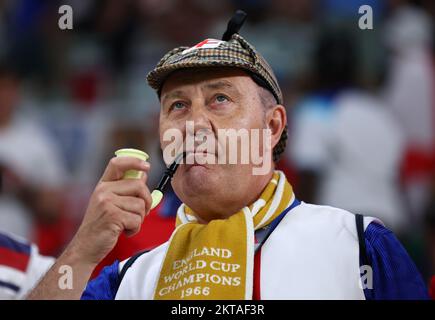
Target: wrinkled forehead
pixel 207 77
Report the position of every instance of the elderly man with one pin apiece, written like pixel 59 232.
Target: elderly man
pixel 239 235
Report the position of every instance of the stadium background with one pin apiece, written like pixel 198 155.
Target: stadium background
pixel 69 98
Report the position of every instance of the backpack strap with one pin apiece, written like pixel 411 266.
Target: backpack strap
pixel 128 264
pixel 359 220
pixel 263 234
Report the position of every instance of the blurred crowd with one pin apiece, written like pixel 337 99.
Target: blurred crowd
pixel 361 104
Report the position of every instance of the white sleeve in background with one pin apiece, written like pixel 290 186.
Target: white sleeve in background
pixel 37 268
pixel 309 147
pixel 21 266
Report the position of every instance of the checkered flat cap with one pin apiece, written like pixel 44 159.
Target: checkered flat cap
pixel 212 53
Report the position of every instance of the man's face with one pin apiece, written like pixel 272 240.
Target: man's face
pixel 214 99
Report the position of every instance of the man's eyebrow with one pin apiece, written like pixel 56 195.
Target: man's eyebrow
pixel 172 95
pixel 215 85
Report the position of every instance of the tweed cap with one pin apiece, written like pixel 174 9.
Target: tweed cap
pixel 212 53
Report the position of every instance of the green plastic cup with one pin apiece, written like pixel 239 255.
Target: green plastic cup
pixel 132 174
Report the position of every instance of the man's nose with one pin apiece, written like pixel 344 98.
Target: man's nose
pixel 200 119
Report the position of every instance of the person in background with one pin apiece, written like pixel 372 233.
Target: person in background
pixel 345 145
pixel 409 94
pixel 32 171
pixel 21 266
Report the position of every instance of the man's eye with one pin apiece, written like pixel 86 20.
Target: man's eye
pixel 221 98
pixel 178 105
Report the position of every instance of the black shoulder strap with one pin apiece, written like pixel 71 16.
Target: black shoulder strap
pixel 263 234
pixel 128 264
pixel 359 219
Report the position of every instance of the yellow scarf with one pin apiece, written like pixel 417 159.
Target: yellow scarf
pixel 216 260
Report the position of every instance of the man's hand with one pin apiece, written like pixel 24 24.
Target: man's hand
pixel 116 206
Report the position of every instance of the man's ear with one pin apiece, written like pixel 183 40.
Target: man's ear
pixel 276 122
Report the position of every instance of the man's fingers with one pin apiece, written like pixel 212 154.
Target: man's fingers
pixel 119 165
pixel 132 223
pixel 129 222
pixel 131 204
pixel 131 188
